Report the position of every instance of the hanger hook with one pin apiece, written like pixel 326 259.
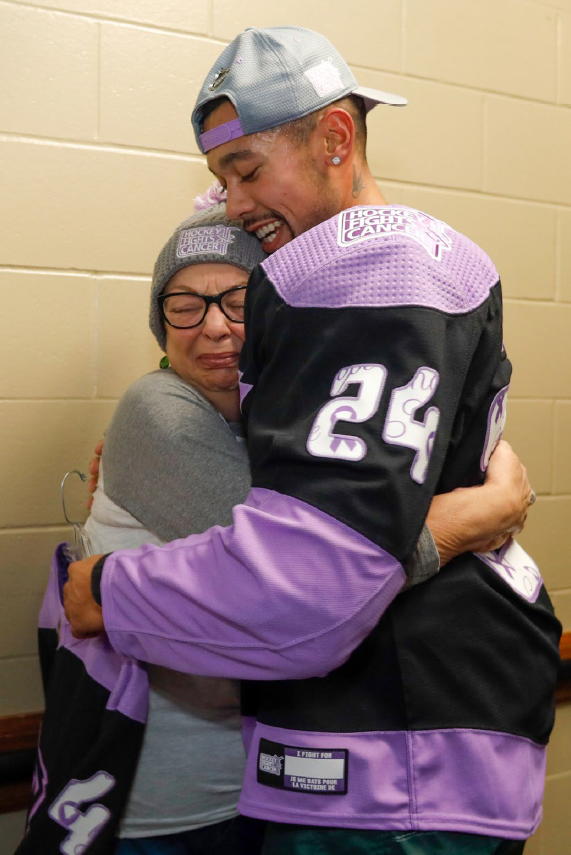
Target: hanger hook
pixel 65 477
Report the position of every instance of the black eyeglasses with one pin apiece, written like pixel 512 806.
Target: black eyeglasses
pixel 184 310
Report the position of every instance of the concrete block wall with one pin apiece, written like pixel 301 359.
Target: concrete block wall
pixel 98 163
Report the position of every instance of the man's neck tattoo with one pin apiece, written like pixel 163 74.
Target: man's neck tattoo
pixel 358 183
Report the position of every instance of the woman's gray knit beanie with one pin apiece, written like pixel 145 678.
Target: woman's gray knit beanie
pixel 207 237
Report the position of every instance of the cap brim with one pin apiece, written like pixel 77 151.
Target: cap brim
pixel 372 97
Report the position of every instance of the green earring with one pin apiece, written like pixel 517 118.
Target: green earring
pixel 164 363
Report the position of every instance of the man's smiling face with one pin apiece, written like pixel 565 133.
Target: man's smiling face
pixel 274 185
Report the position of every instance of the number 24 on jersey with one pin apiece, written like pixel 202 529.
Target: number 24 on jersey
pixel 400 428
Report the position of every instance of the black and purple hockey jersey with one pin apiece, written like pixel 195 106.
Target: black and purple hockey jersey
pixel 96 707
pixel 374 376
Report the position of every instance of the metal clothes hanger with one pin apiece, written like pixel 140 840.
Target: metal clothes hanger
pixel 81 546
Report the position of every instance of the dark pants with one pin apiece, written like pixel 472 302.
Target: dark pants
pixel 237 836
pixel 284 839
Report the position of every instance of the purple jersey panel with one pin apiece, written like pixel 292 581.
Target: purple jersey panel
pixel 52 610
pixel 248 728
pixel 286 592
pixel 382 256
pixel 245 388
pixel 125 679
pixel 470 781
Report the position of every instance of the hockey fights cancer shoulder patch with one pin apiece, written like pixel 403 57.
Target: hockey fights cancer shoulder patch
pixel 205 240
pixel 360 224
pixel 307 770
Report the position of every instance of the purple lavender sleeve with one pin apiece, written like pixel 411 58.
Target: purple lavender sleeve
pixel 286 592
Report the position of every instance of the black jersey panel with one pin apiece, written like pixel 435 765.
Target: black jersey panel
pixel 474 653
pixel 83 720
pixel 47 648
pixel 483 401
pixel 79 739
pixel 364 694
pixel 456 651
pixel 301 351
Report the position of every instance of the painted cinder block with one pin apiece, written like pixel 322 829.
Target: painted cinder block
pixel 24 575
pixel 21 687
pixel 519 237
pixel 564 253
pixel 149 83
pixel 47 329
pixel 564 91
pixel 526 152
pixel 562 605
pixel 562 450
pixel 529 429
pixel 537 341
pixel 555 4
pixel 547 538
pixel 483 44
pixel 533 844
pixel 83 208
pixel 392 191
pixel 372 40
pixel 41 441
pixel 126 348
pixel 48 68
pixel 436 139
pixel 559 751
pixel 12 826
pixel 556 825
pixel 187 15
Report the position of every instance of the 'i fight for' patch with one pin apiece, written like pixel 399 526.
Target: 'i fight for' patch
pixel 305 770
pixel 359 224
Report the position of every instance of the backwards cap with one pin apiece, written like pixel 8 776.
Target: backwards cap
pixel 277 75
pixel 207 237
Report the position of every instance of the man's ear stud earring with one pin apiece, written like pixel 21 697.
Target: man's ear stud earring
pixel 336 160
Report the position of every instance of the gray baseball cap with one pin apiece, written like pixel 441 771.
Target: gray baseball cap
pixel 276 75
pixel 207 237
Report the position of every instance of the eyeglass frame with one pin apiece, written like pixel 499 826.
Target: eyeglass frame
pixel 208 302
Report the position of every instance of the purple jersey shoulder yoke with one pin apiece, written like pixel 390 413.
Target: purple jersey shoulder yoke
pixel 382 256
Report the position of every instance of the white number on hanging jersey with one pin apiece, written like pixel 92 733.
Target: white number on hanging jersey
pixel 66 811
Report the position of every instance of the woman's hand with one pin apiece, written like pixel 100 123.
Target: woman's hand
pixel 81 610
pixel 478 519
pixel 94 471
